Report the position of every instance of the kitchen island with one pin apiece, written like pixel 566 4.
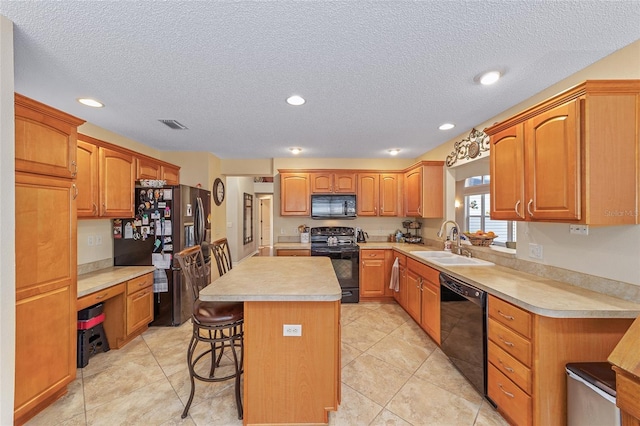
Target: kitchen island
pixel 292 379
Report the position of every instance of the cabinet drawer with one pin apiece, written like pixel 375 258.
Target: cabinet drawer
pixel 510 367
pixel 99 296
pixel 512 343
pixel 512 401
pixel 293 252
pixel 139 283
pixel 513 317
pixel 427 272
pixel 371 254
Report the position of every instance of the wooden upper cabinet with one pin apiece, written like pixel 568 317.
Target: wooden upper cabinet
pixel 424 190
pixel 45 141
pixel 117 177
pixel 333 182
pixel 507 174
pixel 87 179
pixel 150 168
pixel 575 155
pixel 368 194
pixel 377 194
pixel 170 173
pixel 295 198
pixel 147 168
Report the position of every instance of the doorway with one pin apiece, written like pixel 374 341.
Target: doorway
pixel 265 225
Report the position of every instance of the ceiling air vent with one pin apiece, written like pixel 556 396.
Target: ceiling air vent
pixel 174 124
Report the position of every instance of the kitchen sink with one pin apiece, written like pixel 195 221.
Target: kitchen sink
pixel 432 254
pixel 445 258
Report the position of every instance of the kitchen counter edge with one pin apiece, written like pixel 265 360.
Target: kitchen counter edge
pixel 536 294
pixel 108 277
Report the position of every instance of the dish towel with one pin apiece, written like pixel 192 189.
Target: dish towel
pixel 395 276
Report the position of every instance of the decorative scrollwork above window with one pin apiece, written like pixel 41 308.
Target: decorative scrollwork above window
pixel 473 146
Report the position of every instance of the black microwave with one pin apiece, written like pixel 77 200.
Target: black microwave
pixel 328 206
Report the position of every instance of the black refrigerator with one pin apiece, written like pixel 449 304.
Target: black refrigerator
pixel 168 219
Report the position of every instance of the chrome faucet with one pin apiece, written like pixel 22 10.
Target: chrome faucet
pixel 455 235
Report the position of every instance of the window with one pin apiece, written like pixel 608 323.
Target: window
pixel 477 208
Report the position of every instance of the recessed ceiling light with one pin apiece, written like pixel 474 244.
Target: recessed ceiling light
pixel 90 102
pixel 295 100
pixel 490 77
pixel 447 126
pixel 394 151
pixel 295 151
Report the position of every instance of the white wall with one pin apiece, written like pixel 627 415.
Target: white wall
pixel 7 223
pixel 235 189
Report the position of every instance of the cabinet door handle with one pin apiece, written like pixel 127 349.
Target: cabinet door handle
pixel 102 296
pixel 509 317
pixel 143 294
pixel 75 191
pixel 506 342
pixel 95 208
pixel 509 394
pixel 74 173
pixel 506 367
pixel 517 209
pixel 529 207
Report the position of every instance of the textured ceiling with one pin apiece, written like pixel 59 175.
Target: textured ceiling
pixel 376 74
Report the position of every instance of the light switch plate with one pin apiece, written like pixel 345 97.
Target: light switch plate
pixel 535 251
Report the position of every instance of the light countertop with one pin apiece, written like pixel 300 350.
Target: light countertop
pixel 108 277
pixel 276 279
pixel 536 294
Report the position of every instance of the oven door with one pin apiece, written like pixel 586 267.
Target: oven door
pixel 346 266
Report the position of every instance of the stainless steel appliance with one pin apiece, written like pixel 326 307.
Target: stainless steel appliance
pixel 463 329
pixel 168 219
pixel 339 244
pixel 326 206
pixel 591 394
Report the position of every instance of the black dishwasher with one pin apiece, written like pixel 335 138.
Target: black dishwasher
pixel 463 329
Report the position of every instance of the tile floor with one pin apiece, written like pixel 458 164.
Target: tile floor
pixel 392 374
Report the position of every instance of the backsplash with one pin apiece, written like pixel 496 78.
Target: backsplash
pixel 601 285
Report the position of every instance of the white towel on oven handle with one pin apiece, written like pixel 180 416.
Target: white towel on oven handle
pixel 395 276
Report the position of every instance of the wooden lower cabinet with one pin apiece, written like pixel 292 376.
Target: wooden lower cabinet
pixel 46 271
pixel 423 297
pixel 293 252
pixel 375 275
pixel 139 304
pixel 401 295
pixel 528 354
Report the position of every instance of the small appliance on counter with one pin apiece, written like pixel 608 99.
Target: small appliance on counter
pixel 361 236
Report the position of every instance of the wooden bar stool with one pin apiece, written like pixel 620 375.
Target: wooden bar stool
pixel 217 324
pixel 222 253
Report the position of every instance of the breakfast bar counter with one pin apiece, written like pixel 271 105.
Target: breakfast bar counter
pixel 290 377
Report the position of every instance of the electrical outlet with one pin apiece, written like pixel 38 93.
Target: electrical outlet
pixel 579 229
pixel 535 251
pixel 90 240
pixel 98 240
pixel 292 330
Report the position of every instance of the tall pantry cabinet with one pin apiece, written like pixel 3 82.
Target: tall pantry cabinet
pixel 46 265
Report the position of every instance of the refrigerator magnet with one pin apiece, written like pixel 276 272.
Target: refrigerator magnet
pixel 145 219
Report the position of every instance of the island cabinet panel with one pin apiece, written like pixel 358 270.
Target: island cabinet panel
pixel 625 359
pixel 45 139
pixel 289 379
pixel 528 354
pixel 571 158
pixel 295 196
